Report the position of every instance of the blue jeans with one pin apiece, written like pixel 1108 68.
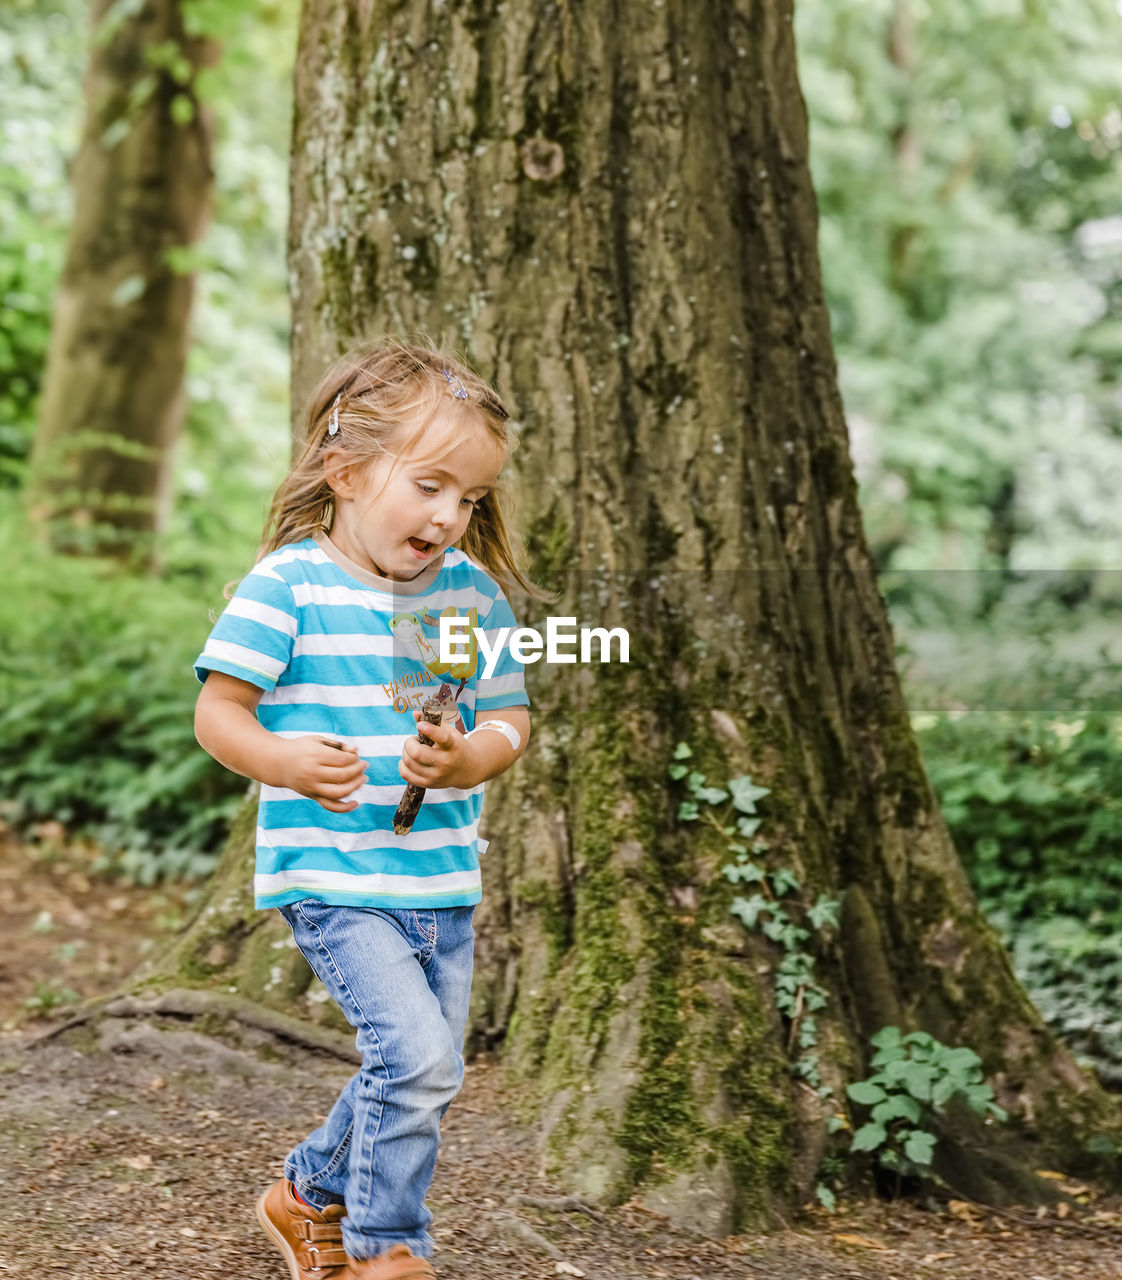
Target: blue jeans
pixel 403 980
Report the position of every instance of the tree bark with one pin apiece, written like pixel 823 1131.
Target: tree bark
pixel 113 397
pixel 608 206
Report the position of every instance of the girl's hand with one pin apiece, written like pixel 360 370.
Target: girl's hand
pixel 445 759
pixel 322 769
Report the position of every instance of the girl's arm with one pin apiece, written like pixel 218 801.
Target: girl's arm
pixel 227 727
pixel 449 759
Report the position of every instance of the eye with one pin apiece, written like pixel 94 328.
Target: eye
pixel 467 502
pixel 429 489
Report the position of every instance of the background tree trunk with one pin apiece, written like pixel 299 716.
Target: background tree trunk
pixel 113 389
pixel 608 205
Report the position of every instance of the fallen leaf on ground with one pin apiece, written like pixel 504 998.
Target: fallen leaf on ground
pixel 963 1211
pixel 862 1242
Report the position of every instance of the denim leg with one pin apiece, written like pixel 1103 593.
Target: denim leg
pixel 403 980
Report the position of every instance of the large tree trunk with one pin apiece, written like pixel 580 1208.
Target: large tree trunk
pixel 608 205
pixel 113 390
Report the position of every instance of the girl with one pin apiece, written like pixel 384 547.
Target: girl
pixel 392 508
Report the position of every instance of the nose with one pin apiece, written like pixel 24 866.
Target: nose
pixel 447 512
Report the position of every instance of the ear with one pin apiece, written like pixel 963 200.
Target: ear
pixel 338 471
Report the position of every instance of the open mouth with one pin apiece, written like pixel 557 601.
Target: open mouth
pixel 424 548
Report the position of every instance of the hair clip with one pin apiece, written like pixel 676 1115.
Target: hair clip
pixel 458 388
pixel 333 420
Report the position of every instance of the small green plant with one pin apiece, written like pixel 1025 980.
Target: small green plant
pixel 48 996
pixel 915 1077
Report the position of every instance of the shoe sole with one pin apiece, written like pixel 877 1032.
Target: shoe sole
pixel 278 1239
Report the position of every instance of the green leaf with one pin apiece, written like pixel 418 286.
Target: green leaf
pixel 923 1039
pixel 824 913
pixel 869 1137
pixel 886 1038
pixel 784 881
pixel 979 1097
pixel 711 795
pixel 688 811
pixel 683 751
pixel 962 1061
pixel 182 109
pixel 750 909
pixel 942 1091
pixel 745 793
pixel 898 1107
pixel 185 260
pixel 895 1053
pixel 777 928
pixel 826 1197
pixel 866 1093
pixel 677 771
pixel 918 1146
pixel 917 1079
pixel 745 872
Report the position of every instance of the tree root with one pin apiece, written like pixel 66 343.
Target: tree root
pixel 515 1229
pixel 560 1204
pixel 194 1003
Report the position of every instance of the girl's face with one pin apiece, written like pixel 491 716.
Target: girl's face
pixel 396 516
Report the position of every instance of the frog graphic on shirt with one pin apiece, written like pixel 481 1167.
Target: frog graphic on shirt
pixel 409 628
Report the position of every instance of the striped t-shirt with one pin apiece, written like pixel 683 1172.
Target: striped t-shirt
pixel 347 655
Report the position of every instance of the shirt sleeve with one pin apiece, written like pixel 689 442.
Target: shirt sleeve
pixel 254 637
pixel 506 686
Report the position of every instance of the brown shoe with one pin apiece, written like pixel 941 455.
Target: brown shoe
pixel 399 1262
pixel 310 1239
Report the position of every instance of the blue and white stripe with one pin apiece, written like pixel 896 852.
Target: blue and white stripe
pixel 315 639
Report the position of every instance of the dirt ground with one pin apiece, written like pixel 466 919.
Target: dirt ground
pixel 137 1146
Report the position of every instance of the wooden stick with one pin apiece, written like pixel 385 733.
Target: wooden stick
pixel 431 710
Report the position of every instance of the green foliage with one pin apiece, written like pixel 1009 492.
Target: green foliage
pixel 48 996
pixel 1036 808
pixel 235 444
pixel 1073 971
pixel 95 680
pixel 1027 762
pixel 914 1079
pixel 41 48
pixel 98 694
pixel 967 171
pixel 776 907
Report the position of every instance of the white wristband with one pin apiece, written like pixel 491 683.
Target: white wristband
pixel 509 732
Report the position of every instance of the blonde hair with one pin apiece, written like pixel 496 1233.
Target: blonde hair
pixel 382 397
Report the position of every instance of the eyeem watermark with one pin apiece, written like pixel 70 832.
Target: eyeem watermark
pixel 529 645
